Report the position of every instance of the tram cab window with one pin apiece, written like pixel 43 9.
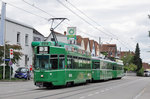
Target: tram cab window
pixel 61 61
pixel 54 61
pixel 42 62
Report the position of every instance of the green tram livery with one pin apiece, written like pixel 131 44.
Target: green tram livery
pixel 67 64
pixel 103 69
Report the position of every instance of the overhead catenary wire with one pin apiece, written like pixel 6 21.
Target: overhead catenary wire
pixel 88 22
pixel 27 11
pixel 82 18
pixel 41 16
pixel 116 37
pixel 54 16
pixel 38 8
pixel 87 16
pixel 34 6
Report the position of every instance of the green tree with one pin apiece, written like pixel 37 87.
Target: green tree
pixel 128 63
pixel 17 56
pixel 137 60
pixel 130 67
pixel 140 72
pixel 128 59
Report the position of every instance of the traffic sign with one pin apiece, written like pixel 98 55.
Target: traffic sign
pixel 11 53
pixel 71 32
pixel 6 59
pixel 10 63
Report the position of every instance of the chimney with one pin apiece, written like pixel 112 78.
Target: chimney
pixel 65 33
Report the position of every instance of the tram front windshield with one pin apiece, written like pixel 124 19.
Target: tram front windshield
pixel 42 62
pixel 49 62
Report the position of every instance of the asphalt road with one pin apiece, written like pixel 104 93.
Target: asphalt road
pixel 129 87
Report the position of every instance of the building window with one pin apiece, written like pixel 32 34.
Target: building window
pixel 36 39
pixel 26 60
pixel 18 38
pixel 26 40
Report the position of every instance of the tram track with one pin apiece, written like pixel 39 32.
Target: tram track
pixel 84 89
pixel 16 93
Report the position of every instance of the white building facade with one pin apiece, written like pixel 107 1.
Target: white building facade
pixel 60 37
pixel 23 35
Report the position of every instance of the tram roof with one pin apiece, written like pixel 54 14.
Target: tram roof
pixel 98 58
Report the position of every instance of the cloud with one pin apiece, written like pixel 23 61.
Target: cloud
pixel 126 19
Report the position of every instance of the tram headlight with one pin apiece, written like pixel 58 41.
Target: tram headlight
pixel 42 76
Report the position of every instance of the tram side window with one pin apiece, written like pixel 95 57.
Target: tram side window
pixel 37 65
pixel 103 65
pixel 69 62
pixel 96 65
pixel 75 63
pixel 80 63
pixel 89 65
pixel 119 67
pixel 114 67
pixel 84 63
pixel 61 61
pixel 92 65
pixel 109 66
pixel 54 62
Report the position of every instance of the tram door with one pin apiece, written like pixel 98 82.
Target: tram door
pixel 97 69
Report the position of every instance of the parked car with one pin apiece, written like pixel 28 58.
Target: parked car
pixel 147 73
pixel 23 73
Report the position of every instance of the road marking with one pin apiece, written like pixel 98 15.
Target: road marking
pixel 106 89
pixel 90 95
pixel 96 92
pixel 102 91
pixel 139 94
pixel 10 91
pixel 82 97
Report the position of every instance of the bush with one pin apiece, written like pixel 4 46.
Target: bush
pixel 140 72
pixel 7 72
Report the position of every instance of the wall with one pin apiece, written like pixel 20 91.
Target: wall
pixel 11 36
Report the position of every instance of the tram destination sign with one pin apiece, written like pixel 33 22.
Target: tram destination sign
pixel 43 50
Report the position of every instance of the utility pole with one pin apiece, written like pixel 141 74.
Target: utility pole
pixel 99 45
pixel 149 31
pixel 52 29
pixel 3 32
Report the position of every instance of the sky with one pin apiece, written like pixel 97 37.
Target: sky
pixel 121 22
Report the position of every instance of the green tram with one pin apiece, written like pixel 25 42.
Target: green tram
pixel 103 69
pixel 61 65
pixel 66 64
